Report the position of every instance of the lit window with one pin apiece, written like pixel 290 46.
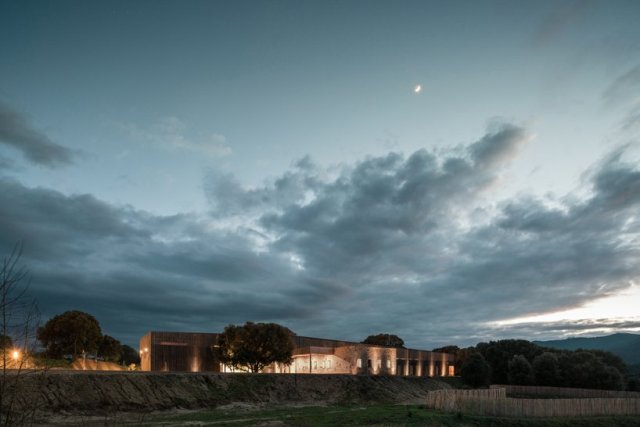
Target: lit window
pixel 328 363
pixel 379 363
pixel 388 364
pixel 359 363
pixel 315 364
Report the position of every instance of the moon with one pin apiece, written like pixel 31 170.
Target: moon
pixel 417 89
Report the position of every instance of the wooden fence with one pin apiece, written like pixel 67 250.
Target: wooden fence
pixel 493 402
pixel 564 391
pixel 448 400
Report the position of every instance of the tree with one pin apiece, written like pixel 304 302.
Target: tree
pixel 475 371
pixel 609 359
pixel 520 371
pixel 129 356
pixel 546 369
pixel 110 348
pixel 384 340
pixel 18 321
pixel 499 353
pixel 586 369
pixel 6 342
pixel 72 332
pixel 254 346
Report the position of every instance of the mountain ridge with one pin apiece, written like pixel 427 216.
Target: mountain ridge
pixel 625 345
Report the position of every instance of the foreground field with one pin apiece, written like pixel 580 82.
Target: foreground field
pixel 370 415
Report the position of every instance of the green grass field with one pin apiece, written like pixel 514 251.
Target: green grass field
pixel 374 415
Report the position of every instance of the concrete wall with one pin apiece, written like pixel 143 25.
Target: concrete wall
pixel 192 352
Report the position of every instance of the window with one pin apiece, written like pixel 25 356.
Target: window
pixel 368 363
pixel 379 363
pixel 315 364
pixel 328 363
pixel 359 363
pixel 388 364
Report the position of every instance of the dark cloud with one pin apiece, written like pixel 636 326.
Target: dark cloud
pixel 17 133
pixel 136 271
pixel 390 244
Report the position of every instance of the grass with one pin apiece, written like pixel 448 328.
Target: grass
pixel 42 362
pixel 373 415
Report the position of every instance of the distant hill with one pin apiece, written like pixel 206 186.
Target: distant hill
pixel 627 346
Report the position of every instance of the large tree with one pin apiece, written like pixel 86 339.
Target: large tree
pixel 129 356
pixel 520 371
pixel 499 353
pixel 254 346
pixel 586 369
pixel 546 369
pixel 385 340
pixel 110 348
pixel 72 332
pixel 475 371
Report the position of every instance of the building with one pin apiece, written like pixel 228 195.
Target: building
pixel 193 352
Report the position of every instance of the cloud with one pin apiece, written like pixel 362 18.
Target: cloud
pixel 624 93
pixel 561 17
pixel 624 87
pixel 173 133
pixel 17 133
pixel 388 244
pixel 550 330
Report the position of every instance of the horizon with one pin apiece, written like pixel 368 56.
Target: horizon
pixel 451 173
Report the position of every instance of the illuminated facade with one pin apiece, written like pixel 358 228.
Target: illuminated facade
pixel 192 352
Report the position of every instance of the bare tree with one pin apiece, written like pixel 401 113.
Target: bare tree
pixel 19 317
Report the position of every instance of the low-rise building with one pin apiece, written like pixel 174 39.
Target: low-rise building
pixel 193 352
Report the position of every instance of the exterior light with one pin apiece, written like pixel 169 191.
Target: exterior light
pixel 146 350
pixel 16 355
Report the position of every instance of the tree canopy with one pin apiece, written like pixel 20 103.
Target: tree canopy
pixel 563 368
pixel 129 355
pixel 475 370
pixel 72 332
pixel 385 340
pixel 520 371
pixel 254 346
pixel 5 342
pixel 110 348
pixel 499 353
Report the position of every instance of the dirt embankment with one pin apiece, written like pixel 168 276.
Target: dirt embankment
pixel 92 365
pixel 84 392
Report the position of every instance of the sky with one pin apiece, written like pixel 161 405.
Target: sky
pixel 187 165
